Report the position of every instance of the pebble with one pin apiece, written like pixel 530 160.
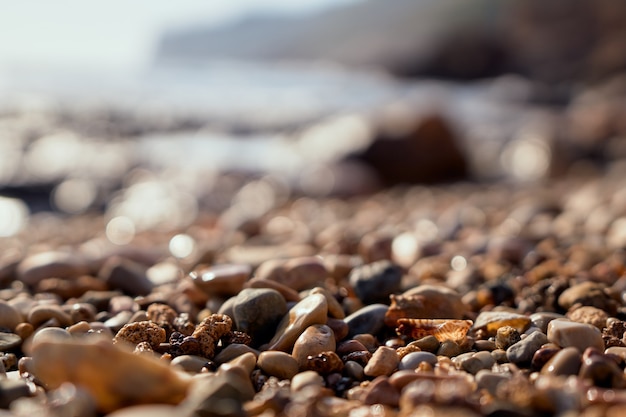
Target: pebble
pixel 119 320
pixel 601 370
pixel 221 280
pixel 589 315
pixel 427 302
pixel 289 294
pixel 297 273
pixel 477 362
pixel 126 275
pixel 367 320
pixel 566 361
pixel 311 310
pixel 42 313
pixel 314 340
pixel 588 294
pixel 541 320
pixel 522 352
pixel 11 390
pixel 306 379
pixel 491 321
pixel 354 370
pixel 257 312
pixel 449 348
pixel 115 378
pixel 35 268
pixel 142 331
pixel 414 359
pixel 489 380
pixel 152 410
pixel 428 344
pixel 9 341
pixel 189 363
pixel 567 333
pixel 507 336
pixel 220 394
pixel 279 364
pixel 374 282
pixel 233 351
pixel 383 362
pixel 10 317
pixel 335 309
pixel 49 334
pixel 380 391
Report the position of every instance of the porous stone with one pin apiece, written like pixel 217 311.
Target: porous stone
pixel 257 312
pixel 373 283
pixel 567 333
pixel 590 315
pixel 142 331
pixel 311 310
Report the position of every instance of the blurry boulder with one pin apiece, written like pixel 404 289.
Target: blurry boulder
pixel 429 153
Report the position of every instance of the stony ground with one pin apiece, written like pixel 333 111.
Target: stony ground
pixel 460 300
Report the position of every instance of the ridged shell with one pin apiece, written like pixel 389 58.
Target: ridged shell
pixel 442 329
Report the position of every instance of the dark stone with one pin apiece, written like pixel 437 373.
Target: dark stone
pixel 373 283
pixel 367 320
pixel 257 312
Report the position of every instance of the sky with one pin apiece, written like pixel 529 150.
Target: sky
pixel 112 34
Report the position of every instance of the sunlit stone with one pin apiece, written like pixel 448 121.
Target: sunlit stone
pixel 120 230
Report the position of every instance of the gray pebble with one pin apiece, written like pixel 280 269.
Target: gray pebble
pixel 413 359
pixel 257 311
pixel 374 282
pixel 367 320
pixel 522 352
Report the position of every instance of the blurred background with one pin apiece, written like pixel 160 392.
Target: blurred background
pixel 152 112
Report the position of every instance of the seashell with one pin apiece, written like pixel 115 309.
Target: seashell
pixel 491 321
pixel 442 329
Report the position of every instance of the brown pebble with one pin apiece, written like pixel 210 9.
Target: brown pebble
pixel 279 364
pixel 43 313
pixel 314 340
pixel 383 362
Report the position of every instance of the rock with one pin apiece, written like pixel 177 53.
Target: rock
pixel 367 320
pixel 142 331
pixel 601 370
pixel 306 379
pixel 589 315
pixel 113 376
pixel 491 321
pixel 34 268
pixel 541 319
pixel 314 340
pixel 383 362
pixel 567 333
pixel 209 331
pixel 566 361
pixel 257 312
pixel 311 310
pixel 126 275
pixel 190 363
pixel 475 362
pixel 414 359
pixel 219 394
pixel 221 280
pixel 588 293
pixel 11 390
pixel 289 294
pixel 507 336
pixel 9 341
pixel 449 349
pixel 297 273
pixel 334 307
pixel 522 352
pixel 380 391
pixel 10 317
pixel 426 302
pixel 279 364
pixel 373 283
pixel 490 381
pixel 233 351
pixel 354 370
pixel 42 313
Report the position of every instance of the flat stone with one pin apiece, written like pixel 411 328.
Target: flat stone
pixel 10 317
pixel 11 390
pixel 221 280
pixel 34 268
pixel 311 310
pixel 367 320
pixel 380 391
pixel 522 352
pixel 491 321
pixel 115 377
pixel 588 293
pixel 9 341
pixel 233 351
pixel 279 364
pixel 297 273
pixel 566 361
pixel 383 362
pixel 414 359
pixel 374 282
pixel 257 312
pixel 566 333
pixel 490 381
